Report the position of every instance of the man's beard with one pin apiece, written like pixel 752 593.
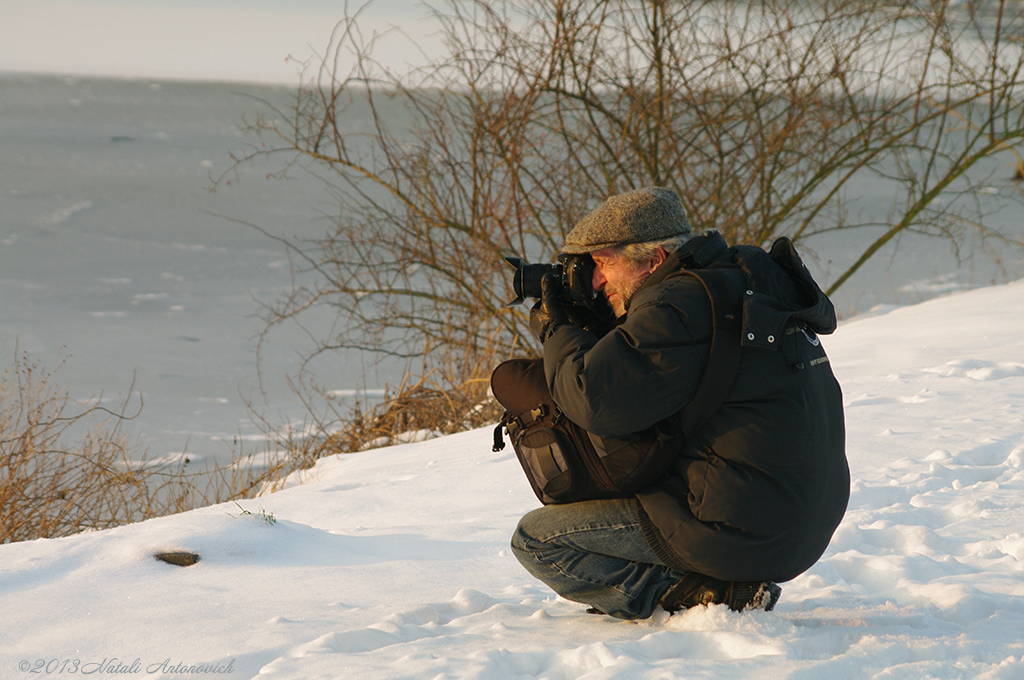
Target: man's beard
pixel 624 292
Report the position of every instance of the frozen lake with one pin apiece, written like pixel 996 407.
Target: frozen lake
pixel 115 255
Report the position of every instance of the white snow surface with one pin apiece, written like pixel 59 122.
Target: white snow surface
pixel 394 563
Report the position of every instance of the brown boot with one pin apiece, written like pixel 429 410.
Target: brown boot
pixel 697 589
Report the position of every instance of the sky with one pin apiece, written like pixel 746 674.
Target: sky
pixel 394 563
pixel 216 40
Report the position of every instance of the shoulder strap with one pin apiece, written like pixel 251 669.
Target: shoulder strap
pixel 722 286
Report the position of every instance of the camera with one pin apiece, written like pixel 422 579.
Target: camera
pixel 574 276
pixel 573 273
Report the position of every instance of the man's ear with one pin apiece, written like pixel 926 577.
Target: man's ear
pixel 657 258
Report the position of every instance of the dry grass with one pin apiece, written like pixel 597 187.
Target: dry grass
pixel 419 408
pixel 411 412
pixel 48 488
pixel 67 466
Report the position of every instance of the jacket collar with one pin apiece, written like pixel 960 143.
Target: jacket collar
pixel 700 251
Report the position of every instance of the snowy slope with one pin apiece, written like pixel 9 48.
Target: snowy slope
pixel 394 563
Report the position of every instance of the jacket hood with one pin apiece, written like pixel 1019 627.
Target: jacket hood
pixel 779 286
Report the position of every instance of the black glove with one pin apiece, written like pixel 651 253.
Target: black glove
pixel 548 313
pixel 598 318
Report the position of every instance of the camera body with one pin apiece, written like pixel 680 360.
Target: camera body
pixel 574 276
pixel 573 273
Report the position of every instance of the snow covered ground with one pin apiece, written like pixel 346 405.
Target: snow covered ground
pixel 394 563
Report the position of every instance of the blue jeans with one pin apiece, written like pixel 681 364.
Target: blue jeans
pixel 594 552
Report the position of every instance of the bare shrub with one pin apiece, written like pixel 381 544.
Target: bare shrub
pixel 67 466
pixel 762 116
pixel 48 489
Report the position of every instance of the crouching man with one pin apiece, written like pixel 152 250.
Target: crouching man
pixel 752 499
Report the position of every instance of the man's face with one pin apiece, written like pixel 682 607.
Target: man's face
pixel 618 278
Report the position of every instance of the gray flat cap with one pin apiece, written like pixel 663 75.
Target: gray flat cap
pixel 648 214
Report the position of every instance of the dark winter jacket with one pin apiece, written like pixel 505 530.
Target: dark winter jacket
pixel 757 493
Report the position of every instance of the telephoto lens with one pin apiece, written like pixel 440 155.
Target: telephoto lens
pixel 526 280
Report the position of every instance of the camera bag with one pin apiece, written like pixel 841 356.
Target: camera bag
pixel 564 463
